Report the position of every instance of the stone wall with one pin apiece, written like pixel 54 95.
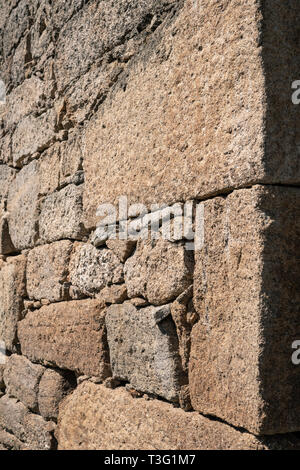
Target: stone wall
pixel 143 343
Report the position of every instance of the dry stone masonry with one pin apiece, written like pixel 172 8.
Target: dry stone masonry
pixel 149 342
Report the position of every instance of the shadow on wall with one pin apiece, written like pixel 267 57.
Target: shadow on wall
pixel 280 36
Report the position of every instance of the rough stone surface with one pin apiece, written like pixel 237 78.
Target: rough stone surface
pixel 22 380
pixel 122 248
pixel 54 386
pixel 246 295
pixel 148 359
pixel 158 271
pixel 47 271
pixel 92 269
pixel 32 430
pixel 49 170
pixel 7 174
pixel 113 420
pixel 12 291
pixel 61 215
pixel 33 134
pixel 68 335
pixel 23 207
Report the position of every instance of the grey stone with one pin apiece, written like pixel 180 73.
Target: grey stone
pixel 92 269
pixel 143 349
pixel 22 380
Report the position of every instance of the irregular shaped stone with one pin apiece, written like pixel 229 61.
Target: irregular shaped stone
pixel 33 134
pixel 92 269
pixel 22 380
pixel 95 417
pixel 61 215
pixel 27 427
pixel 68 335
pixel 159 271
pixel 9 442
pixel 12 292
pixel 246 294
pixel 113 294
pixel 143 348
pixel 47 271
pixel 122 248
pixel 184 317
pixel 54 386
pixel 23 207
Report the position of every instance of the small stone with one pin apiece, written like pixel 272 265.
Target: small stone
pixel 92 269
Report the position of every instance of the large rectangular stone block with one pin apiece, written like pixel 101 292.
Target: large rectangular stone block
pixel 12 292
pixel 204 108
pixel 68 335
pixel 247 296
pixel 144 350
pixel 96 418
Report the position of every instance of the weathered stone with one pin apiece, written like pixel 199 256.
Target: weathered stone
pixel 61 215
pixel 95 417
pixel 17 23
pixel 47 271
pixel 246 294
pixel 54 386
pixel 29 428
pixel 143 348
pixel 158 271
pixel 92 269
pixel 106 27
pixel 7 174
pixel 184 317
pixel 33 134
pixel 122 248
pixel 215 133
pixel 68 335
pixel 12 291
pixel 23 100
pixel 22 380
pixel 49 170
pixel 22 206
pixel 9 442
pixel 71 159
pixel 113 294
